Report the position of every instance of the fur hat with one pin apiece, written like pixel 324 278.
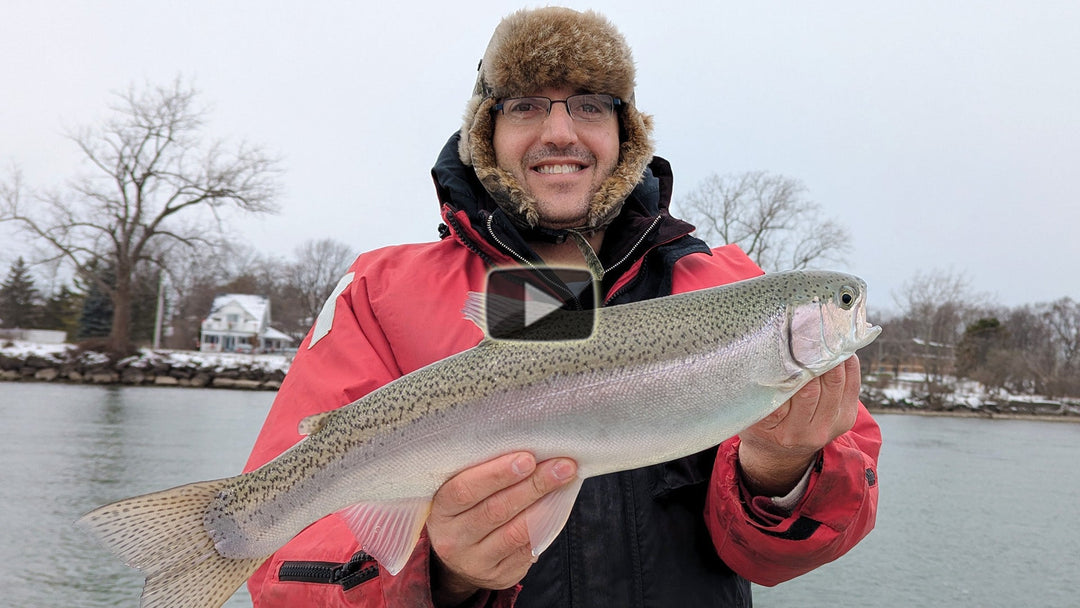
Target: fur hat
pixel 555 47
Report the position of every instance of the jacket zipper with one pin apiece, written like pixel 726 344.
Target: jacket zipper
pixel 464 239
pixel 554 285
pixel 630 283
pixel 504 246
pixel 361 568
pixel 629 254
pixel 636 245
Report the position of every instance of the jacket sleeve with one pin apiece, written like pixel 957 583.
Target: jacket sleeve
pixel 353 358
pixel 836 512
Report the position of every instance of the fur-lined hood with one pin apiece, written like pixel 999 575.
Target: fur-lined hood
pixel 643 223
pixel 556 47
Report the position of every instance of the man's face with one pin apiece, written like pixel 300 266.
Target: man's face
pixel 561 162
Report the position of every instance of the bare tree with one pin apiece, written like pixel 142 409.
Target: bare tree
pixel 1031 341
pixel 935 308
pixel 318 267
pixel 768 216
pixel 153 186
pixel 1062 319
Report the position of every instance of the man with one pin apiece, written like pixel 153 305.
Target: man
pixel 554 165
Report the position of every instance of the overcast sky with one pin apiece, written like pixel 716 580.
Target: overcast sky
pixel 944 135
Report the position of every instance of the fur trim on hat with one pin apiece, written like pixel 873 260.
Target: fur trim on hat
pixel 555 47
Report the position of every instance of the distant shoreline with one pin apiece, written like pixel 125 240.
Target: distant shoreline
pixel 967 413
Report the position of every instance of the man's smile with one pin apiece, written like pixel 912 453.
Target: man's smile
pixel 558 169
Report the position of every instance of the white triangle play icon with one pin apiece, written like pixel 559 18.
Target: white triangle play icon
pixel 538 304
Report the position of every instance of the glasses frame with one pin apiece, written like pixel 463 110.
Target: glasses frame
pixel 616 104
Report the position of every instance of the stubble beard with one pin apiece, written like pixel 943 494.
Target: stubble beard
pixel 582 206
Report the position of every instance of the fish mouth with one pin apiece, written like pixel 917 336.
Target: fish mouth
pixel 836 338
pixel 862 331
pixel 864 336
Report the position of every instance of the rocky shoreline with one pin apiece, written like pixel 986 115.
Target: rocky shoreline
pixel 148 368
pixel 965 399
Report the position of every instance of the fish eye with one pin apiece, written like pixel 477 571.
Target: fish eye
pixel 847 297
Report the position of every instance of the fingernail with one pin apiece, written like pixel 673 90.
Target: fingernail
pixel 522 465
pixel 563 470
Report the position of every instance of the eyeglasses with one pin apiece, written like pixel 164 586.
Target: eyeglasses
pixel 532 110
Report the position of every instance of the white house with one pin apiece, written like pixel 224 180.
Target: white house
pixel 241 323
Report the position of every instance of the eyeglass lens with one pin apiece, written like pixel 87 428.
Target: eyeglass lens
pixel 585 108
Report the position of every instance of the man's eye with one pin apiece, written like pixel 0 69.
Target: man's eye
pixel 592 106
pixel 525 107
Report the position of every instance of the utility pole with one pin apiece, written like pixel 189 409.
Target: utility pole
pixel 160 310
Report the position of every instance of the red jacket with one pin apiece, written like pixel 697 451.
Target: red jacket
pixel 401 310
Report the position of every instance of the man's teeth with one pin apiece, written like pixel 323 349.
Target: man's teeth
pixel 558 169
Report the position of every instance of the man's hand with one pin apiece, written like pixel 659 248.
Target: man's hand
pixel 477 528
pixel 775 453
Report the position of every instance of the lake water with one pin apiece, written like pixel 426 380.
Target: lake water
pixel 972 513
pixel 69 449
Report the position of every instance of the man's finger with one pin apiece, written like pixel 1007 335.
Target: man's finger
pixel 474 485
pixel 508 503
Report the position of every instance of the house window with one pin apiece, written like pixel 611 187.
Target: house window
pixel 233 318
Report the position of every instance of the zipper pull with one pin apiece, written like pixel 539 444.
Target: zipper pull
pixel 591 259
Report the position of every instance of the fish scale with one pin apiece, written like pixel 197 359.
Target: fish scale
pixel 657 380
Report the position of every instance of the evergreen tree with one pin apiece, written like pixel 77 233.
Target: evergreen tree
pixel 20 300
pixel 982 354
pixel 96 318
pixel 62 311
pixel 95 321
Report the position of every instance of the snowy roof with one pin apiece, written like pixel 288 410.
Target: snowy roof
pixel 254 305
pixel 273 334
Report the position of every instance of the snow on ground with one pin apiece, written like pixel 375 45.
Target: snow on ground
pixel 19 349
pixel 218 361
pixel 909 389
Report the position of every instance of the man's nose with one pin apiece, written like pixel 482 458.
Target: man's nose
pixel 559 126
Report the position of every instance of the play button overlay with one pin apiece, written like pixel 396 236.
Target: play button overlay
pixel 540 304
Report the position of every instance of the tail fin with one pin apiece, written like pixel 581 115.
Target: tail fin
pixel 163 535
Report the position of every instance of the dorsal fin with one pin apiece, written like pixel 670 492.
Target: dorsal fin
pixel 314 423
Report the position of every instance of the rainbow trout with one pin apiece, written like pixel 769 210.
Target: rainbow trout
pixel 657 380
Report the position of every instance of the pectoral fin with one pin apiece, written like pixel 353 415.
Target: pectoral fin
pixel 791 384
pixel 547 517
pixel 388 531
